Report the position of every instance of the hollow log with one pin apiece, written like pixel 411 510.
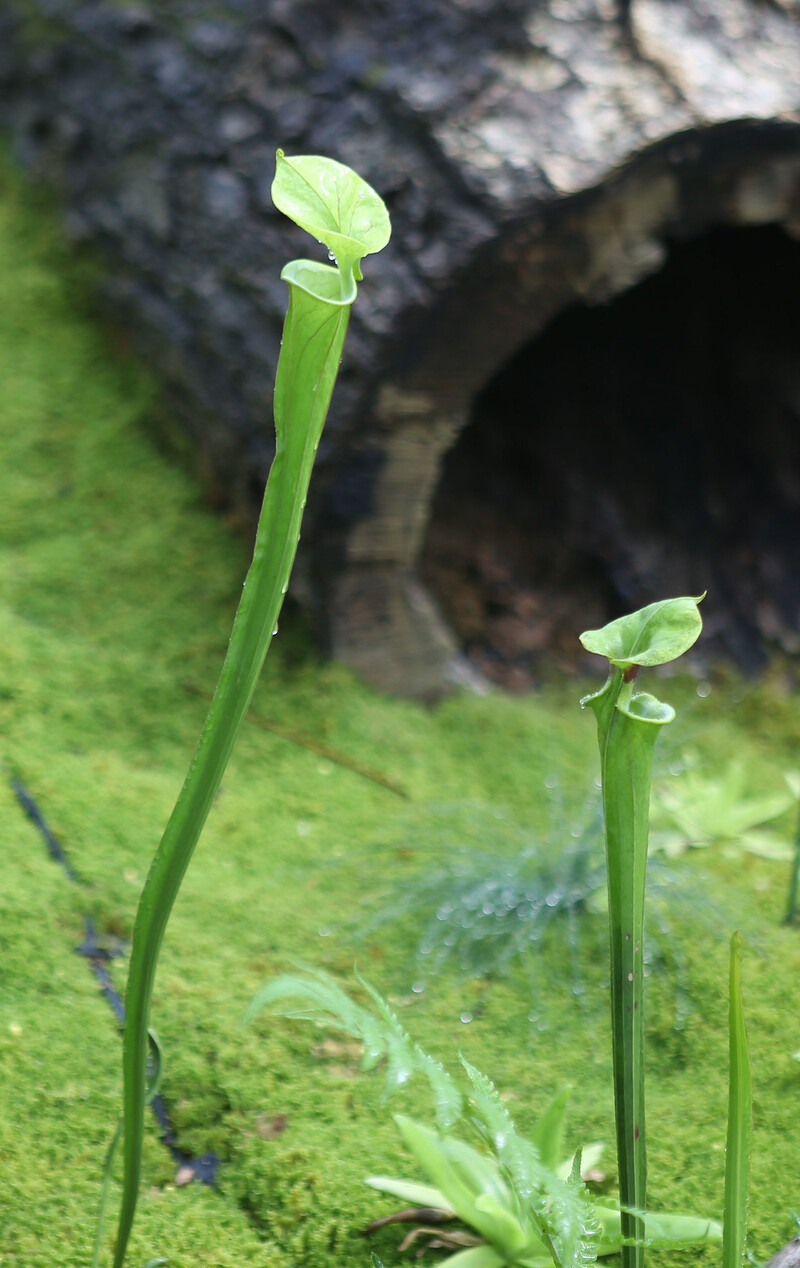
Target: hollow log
pixel 572 380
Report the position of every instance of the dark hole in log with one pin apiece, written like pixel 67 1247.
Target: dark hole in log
pixel 636 450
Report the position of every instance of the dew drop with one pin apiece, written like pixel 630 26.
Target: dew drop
pixel 418 988
pixel 466 1017
pixel 704 689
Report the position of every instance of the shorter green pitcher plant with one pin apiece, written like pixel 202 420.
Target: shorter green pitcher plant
pixel 628 724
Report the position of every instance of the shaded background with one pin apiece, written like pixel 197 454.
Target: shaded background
pixel 571 384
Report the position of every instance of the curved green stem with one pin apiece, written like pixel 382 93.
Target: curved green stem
pixel 314 333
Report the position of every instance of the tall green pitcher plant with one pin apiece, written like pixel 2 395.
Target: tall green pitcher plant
pixel 341 211
pixel 628 724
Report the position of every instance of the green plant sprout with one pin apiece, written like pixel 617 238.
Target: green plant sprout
pixel 794 876
pixel 627 728
pixel 737 1144
pixel 339 209
pixel 702 810
pixel 526 1203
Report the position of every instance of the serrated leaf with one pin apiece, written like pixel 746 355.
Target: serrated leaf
pixel 316 997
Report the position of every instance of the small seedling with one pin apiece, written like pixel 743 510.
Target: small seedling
pixel 525 1203
pixel 703 809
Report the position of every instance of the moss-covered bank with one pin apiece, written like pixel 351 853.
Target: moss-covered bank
pixel 116 591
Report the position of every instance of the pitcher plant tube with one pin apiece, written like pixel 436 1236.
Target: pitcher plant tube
pixel 344 213
pixel 628 724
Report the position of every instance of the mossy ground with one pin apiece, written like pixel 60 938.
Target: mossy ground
pixel 116 591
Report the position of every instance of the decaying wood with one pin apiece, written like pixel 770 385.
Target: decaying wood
pixel 536 154
pixel 788 1257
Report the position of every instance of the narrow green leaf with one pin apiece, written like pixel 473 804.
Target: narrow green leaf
pixel 104 1192
pixel 424 1195
pixel 663 1230
pixel 460 1190
pixel 794 878
pixel 548 1133
pixel 481 1257
pixel 737 1148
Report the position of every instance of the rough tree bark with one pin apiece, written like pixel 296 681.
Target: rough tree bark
pixel 535 155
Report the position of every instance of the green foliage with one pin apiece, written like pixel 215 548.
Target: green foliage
pixel 117 586
pixel 704 809
pixel 654 635
pixel 339 209
pixel 527 1204
pixel 493 892
pixel 320 1000
pixel 489 895
pixel 737 1148
pixel 315 190
pixel 627 728
pixel 794 877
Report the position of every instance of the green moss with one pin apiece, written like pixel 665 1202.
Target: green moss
pixel 117 589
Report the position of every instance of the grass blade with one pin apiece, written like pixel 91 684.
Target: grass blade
pixel 737 1148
